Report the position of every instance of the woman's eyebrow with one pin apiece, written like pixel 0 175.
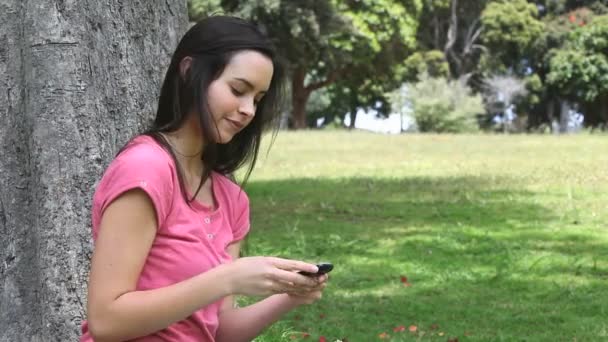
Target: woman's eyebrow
pixel 247 83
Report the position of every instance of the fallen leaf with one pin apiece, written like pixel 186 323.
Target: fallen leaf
pixel 413 328
pixel 293 337
pixel 384 336
pixel 399 328
pixel 404 281
pixel 322 339
pixel 455 339
pixel 441 333
pixel 434 327
pixel 321 316
pixel 305 335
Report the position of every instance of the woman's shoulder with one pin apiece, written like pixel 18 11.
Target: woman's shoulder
pixel 142 156
pixel 144 148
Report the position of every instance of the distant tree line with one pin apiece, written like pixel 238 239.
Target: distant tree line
pixel 343 55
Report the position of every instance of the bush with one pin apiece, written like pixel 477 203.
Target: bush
pixel 443 106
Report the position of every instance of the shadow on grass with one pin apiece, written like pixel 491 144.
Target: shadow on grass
pixel 479 252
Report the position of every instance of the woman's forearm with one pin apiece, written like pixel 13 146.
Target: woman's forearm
pixel 244 324
pixel 139 313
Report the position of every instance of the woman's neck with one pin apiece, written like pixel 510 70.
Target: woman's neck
pixel 187 144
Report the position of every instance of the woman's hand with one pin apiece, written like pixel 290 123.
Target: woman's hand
pixel 264 276
pixel 306 296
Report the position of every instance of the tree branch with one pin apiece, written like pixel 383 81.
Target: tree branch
pixel 331 78
pixel 453 30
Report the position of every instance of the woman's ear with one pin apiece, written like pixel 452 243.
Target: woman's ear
pixel 184 66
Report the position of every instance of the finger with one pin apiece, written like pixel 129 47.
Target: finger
pixel 294 278
pixel 294 265
pixel 281 287
pixel 323 278
pixel 319 287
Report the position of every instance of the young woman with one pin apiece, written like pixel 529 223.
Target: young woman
pixel 168 222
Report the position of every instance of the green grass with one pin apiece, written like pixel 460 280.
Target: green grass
pixel 502 238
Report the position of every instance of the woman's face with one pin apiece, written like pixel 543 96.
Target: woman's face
pixel 233 97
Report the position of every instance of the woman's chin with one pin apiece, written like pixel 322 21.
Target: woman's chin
pixel 224 138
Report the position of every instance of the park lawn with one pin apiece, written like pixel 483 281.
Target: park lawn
pixel 474 237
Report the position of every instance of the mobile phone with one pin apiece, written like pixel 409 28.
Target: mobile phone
pixel 324 267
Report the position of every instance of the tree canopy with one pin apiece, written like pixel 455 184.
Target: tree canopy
pixel 355 52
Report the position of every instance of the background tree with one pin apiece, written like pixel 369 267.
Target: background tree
pixel 501 92
pixel 580 70
pixel 454 28
pixel 510 29
pixel 326 41
pixel 78 79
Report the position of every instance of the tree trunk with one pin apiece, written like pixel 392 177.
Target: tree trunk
pixel 78 78
pixel 299 98
pixel 551 114
pixel 353 118
pixel 564 116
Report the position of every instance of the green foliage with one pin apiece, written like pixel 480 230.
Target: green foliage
pixel 441 106
pixel 581 69
pixel 354 45
pixel 359 50
pixel 198 9
pixel 534 89
pixel 431 62
pixel 510 28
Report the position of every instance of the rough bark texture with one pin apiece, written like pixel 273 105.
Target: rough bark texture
pixel 77 79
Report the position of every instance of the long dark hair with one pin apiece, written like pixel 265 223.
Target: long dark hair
pixel 211 43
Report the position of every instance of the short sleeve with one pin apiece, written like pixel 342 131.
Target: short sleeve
pixel 144 167
pixel 242 224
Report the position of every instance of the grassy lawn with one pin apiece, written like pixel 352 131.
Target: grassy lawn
pixel 501 238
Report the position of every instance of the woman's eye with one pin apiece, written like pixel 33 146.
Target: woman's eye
pixel 236 92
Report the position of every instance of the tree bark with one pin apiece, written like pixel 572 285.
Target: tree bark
pixel 77 80
pixel 300 93
pixel 299 98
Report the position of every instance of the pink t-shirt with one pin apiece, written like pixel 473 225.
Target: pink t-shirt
pixel 190 239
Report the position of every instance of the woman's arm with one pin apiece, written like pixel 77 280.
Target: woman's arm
pixel 117 311
pixel 244 324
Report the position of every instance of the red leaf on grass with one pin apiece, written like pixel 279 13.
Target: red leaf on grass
pixel 305 335
pixel 399 328
pixel 413 328
pixel 384 336
pixel 404 281
pixel 322 339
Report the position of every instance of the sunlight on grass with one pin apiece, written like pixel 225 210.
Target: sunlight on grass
pixel 500 238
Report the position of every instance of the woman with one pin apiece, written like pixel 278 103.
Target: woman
pixel 168 223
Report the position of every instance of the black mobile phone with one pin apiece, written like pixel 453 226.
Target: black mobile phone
pixel 324 267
